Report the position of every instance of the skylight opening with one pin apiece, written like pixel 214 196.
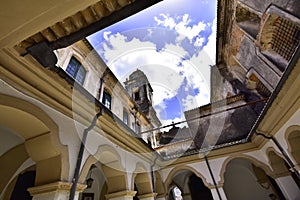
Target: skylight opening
pixel 174 44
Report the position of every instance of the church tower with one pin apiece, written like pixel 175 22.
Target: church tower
pixel 140 90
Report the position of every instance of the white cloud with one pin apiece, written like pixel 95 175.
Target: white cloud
pixel 122 47
pixel 161 67
pixel 106 35
pixel 183 27
pixel 175 120
pixel 189 102
pixel 166 22
pixel 199 42
pixel 210 47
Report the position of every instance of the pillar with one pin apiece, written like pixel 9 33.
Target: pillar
pixel 122 195
pixel 288 187
pixel 215 194
pixel 55 191
pixel 160 198
pixel 150 196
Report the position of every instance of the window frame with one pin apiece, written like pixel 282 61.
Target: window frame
pixel 74 70
pixel 126 117
pixel 104 98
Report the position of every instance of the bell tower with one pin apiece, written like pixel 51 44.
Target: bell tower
pixel 140 90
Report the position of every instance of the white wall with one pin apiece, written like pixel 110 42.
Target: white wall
pixel 240 182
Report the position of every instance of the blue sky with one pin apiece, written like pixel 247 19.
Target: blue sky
pixel 173 43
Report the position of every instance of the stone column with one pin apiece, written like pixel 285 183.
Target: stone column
pixel 288 187
pixel 160 198
pixel 123 195
pixel 150 196
pixel 215 194
pixel 55 191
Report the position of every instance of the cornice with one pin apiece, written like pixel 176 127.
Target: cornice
pixel 30 78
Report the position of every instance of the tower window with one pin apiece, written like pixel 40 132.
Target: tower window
pixel 136 96
pixel 76 70
pixel 138 127
pixel 125 117
pixel 106 100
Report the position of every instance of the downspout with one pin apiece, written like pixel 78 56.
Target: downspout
pixel 80 155
pixel 212 176
pixel 287 158
pixel 152 176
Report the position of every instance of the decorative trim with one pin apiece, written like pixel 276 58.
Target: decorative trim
pixel 283 174
pixel 160 196
pixel 54 187
pixel 121 194
pixel 147 195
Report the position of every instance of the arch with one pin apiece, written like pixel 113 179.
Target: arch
pixel 182 168
pixel 111 164
pixel 142 180
pixel 280 166
pixel 277 163
pixel 186 178
pixel 40 140
pixel 24 181
pixel 159 185
pixel 197 189
pixel 108 156
pixel 254 161
pixel 14 185
pixel 292 136
pixel 171 191
pixel 249 177
pixel 95 181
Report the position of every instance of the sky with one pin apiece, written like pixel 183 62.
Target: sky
pixel 174 44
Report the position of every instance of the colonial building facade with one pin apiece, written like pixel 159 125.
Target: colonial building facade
pixel 70 128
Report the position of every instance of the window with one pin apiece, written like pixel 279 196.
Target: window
pixel 138 127
pixel 136 96
pixel 125 117
pixel 285 38
pixel 106 100
pixel 279 39
pixel 76 70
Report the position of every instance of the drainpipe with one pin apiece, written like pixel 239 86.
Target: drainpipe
pixel 212 176
pixel 80 155
pixel 287 158
pixel 152 176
